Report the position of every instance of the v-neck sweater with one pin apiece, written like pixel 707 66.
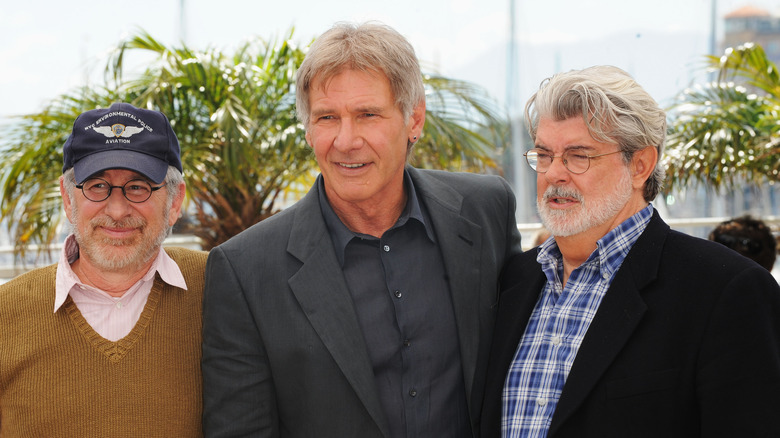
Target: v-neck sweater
pixel 58 377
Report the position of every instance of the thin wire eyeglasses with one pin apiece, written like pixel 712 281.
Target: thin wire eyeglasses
pixel 576 161
pixel 136 190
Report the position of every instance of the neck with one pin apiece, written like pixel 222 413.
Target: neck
pixel 577 248
pixel 372 219
pixel 114 283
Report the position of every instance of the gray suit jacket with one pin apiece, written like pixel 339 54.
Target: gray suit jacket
pixel 283 353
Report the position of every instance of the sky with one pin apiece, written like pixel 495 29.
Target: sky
pixel 48 47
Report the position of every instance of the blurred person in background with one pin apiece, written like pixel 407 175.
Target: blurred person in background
pixel 750 237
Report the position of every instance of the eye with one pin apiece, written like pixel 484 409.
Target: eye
pixel 137 186
pixel 96 185
pixel 322 119
pixel 579 156
pixel 543 156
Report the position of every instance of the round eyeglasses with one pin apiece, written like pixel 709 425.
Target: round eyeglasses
pixel 136 190
pixel 575 160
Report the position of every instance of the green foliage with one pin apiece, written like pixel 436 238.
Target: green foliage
pixel 32 153
pixel 726 133
pixel 234 115
pixel 463 129
pixel 243 150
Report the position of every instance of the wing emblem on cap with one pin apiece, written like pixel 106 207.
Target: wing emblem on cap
pixel 118 130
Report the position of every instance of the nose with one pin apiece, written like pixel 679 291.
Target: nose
pixel 557 172
pixel 347 137
pixel 117 206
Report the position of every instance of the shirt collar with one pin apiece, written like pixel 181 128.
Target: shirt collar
pixel 66 279
pixel 614 247
pixel 341 235
pixel 610 250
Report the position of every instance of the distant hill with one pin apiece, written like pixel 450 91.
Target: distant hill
pixel 663 63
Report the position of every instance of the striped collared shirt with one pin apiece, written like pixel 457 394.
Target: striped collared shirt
pixel 557 327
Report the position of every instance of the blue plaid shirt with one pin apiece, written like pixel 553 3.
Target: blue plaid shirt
pixel 557 326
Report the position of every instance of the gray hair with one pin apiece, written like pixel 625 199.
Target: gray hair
pixel 614 107
pixel 366 47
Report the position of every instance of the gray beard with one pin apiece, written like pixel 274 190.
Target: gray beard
pixel 103 252
pixel 590 214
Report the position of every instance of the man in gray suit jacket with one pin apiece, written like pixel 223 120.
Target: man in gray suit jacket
pixel 366 309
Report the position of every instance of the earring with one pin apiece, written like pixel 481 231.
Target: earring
pixel 414 138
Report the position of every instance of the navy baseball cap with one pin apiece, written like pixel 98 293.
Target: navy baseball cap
pixel 122 137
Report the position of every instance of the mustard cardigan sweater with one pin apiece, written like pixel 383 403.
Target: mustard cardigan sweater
pixel 59 378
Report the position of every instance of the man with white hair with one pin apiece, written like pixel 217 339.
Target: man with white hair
pixel 619 326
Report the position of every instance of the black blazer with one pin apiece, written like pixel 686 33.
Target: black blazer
pixel 283 353
pixel 685 343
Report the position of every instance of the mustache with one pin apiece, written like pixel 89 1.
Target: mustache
pixel 562 192
pixel 107 222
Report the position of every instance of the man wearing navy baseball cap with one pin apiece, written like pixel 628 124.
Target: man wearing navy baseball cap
pixel 107 341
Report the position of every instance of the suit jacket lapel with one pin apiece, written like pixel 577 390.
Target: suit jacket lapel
pixel 514 310
pixel 322 292
pixel 525 281
pixel 620 312
pixel 460 242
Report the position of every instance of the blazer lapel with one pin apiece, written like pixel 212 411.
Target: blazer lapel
pixel 521 284
pixel 322 292
pixel 460 242
pixel 515 306
pixel 616 319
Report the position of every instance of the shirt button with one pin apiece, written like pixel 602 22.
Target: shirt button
pixel 118 305
pixel 398 294
pixel 541 402
pixel 386 248
pixel 413 393
pixel 556 340
pixel 407 343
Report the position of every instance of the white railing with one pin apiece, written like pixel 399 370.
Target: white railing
pixel 9 271
pixel 681 224
pixel 772 221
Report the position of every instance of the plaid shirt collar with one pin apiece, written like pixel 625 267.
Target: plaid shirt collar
pixel 610 250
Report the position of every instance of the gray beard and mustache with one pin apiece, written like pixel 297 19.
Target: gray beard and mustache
pixel 114 255
pixel 589 214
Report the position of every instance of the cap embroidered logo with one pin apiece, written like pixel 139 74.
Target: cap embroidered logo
pixel 118 130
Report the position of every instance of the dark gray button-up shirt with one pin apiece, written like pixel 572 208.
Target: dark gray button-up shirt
pixel 402 300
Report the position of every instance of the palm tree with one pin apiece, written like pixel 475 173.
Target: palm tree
pixel 243 150
pixel 725 133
